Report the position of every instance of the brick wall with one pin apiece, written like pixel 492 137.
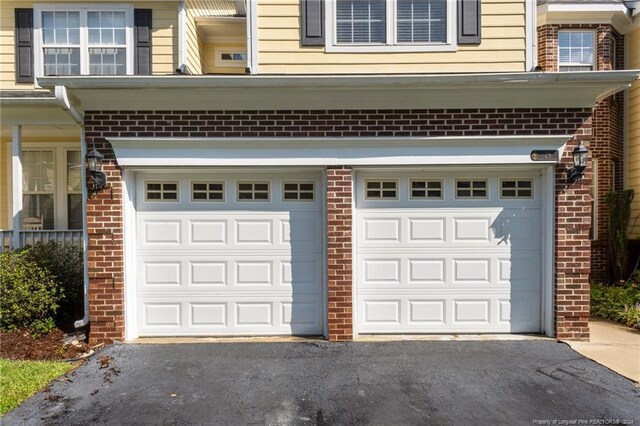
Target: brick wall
pixel 339 253
pixel 105 209
pixel 607 141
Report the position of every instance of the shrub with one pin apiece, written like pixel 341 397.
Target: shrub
pixel 65 264
pixel 618 303
pixel 29 296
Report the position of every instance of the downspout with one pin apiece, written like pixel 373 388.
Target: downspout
pixel 62 99
pixel 182 39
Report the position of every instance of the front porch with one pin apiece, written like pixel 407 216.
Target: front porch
pixel 42 179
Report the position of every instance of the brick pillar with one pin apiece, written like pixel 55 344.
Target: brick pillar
pixel 339 250
pixel 106 251
pixel 573 248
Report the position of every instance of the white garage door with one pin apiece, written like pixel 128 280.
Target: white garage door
pixel 448 252
pixel 229 254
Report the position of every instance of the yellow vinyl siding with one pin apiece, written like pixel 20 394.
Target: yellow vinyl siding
pixel 195 45
pixel 39 134
pixel 502 48
pixel 210 58
pixel 633 130
pixel 164 37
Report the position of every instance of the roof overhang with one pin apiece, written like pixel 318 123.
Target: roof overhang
pixel 616 14
pixel 509 90
pixel 33 111
pixel 205 152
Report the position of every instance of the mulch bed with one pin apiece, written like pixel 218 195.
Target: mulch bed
pixel 21 346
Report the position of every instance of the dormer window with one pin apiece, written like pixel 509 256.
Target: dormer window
pixel 390 25
pixel 83 40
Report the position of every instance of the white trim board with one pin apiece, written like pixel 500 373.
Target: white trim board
pixel 168 152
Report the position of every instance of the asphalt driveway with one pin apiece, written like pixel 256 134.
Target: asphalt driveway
pixel 508 382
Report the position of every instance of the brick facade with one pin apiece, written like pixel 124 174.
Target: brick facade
pixel 105 225
pixel 607 140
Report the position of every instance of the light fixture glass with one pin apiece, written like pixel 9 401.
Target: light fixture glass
pixel 94 160
pixel 580 154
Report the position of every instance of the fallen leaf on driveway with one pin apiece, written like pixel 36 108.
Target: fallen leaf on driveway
pixel 173 395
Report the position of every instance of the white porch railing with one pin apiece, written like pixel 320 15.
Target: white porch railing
pixel 29 238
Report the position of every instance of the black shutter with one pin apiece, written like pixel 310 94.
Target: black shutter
pixel 142 24
pixel 24 45
pixel 469 25
pixel 312 22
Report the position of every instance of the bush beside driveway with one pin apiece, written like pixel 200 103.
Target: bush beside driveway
pixel 329 383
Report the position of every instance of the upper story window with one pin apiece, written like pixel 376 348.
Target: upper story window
pixel 390 25
pixel 83 40
pixel 576 50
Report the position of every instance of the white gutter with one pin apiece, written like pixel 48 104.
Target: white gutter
pixel 337 81
pixel 252 36
pixel 63 100
pixel 85 234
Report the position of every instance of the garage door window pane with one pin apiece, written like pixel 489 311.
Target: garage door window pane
pixel 253 191
pixel 426 189
pixel 471 188
pixel 516 188
pixel 207 191
pixel 298 191
pixel 161 191
pixel 381 190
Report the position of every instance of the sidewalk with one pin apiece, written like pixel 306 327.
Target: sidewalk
pixel 614 346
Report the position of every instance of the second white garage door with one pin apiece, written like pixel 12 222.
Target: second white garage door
pixel 448 252
pixel 229 254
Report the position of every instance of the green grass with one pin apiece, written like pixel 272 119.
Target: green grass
pixel 21 379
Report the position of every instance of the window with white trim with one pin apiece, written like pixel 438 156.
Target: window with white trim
pixel 52 187
pixel 426 189
pixel 390 25
pixel 516 188
pixel 466 188
pixel 83 40
pixel 381 189
pixel 161 191
pixel 298 191
pixel 207 191
pixel 231 58
pixel 253 191
pixel 576 50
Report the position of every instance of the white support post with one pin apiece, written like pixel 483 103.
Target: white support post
pixel 16 183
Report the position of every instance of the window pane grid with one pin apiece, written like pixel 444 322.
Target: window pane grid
pixel 381 190
pixel 426 189
pixel 516 188
pixel 575 50
pixel 471 188
pixel 253 191
pixel 161 191
pixel 421 21
pixel 298 191
pixel 361 21
pixel 207 191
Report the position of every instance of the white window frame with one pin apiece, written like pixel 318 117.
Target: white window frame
pixel 472 188
pixel 381 189
pixel 221 63
pixel 426 189
pixel 516 189
pixel 253 184
pixel 84 8
pixel 298 191
pixel 391 45
pixel 60 149
pixel 578 64
pixel 207 191
pixel 161 190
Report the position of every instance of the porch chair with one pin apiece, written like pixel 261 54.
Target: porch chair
pixel 33 223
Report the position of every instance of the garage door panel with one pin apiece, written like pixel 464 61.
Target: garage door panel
pixel 448 264
pixel 230 267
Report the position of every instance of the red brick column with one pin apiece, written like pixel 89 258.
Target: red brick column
pixel 106 253
pixel 339 250
pixel 573 247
